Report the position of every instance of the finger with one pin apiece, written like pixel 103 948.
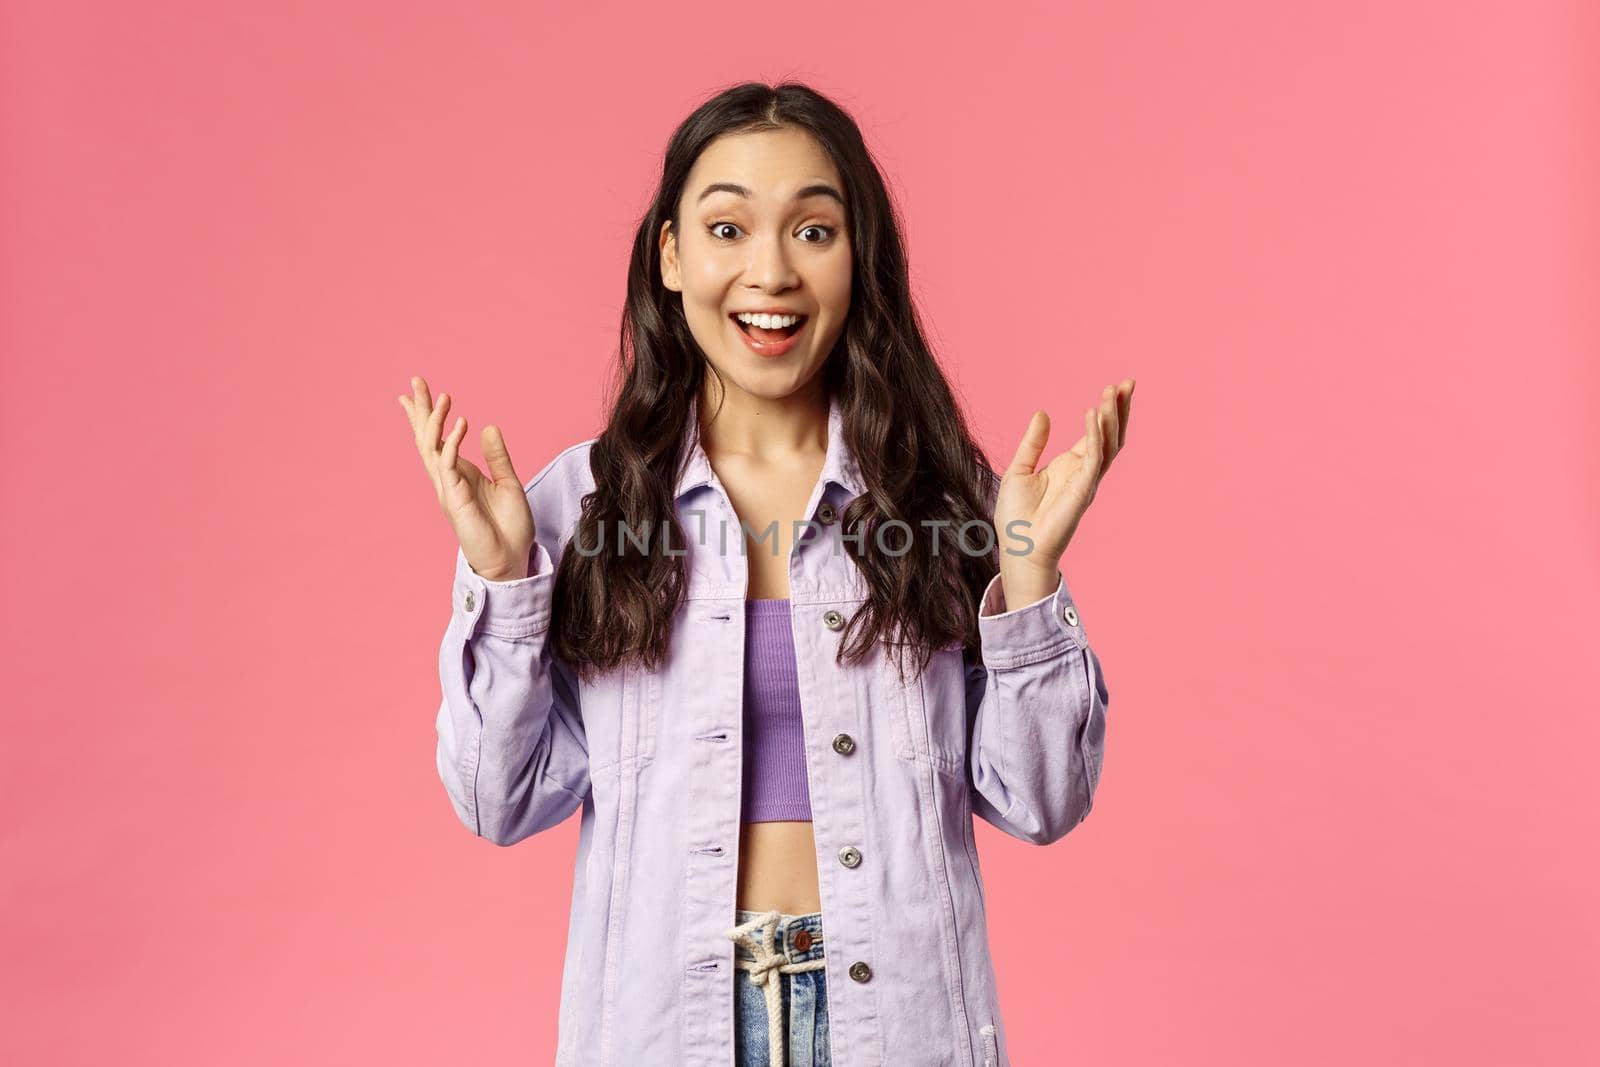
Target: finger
pixel 421 405
pixel 1034 438
pixel 1109 431
pixel 1093 457
pixel 433 429
pixel 1124 409
pixel 418 417
pixel 497 457
pixel 448 475
pixel 412 402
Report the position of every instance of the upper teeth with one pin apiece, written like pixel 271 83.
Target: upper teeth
pixel 768 322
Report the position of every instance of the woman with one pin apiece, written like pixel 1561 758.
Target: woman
pixel 762 632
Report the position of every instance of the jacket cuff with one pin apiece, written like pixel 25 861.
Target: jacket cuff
pixel 1032 632
pixel 512 610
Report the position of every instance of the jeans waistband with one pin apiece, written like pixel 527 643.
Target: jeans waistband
pixel 795 938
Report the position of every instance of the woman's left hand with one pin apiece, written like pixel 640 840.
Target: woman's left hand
pixel 1052 499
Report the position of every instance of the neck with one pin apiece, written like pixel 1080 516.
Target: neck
pixel 761 428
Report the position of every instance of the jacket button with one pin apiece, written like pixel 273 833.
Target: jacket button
pixel 832 619
pixel 850 856
pixel 472 601
pixel 860 971
pixel 844 744
pixel 826 514
pixel 1070 615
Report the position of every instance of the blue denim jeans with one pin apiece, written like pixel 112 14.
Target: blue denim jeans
pixel 780 1006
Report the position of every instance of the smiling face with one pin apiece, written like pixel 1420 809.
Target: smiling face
pixel 762 226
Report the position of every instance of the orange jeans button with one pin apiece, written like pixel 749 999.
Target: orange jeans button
pixel 802 940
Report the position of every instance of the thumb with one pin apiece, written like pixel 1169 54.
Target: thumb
pixel 496 456
pixel 1034 439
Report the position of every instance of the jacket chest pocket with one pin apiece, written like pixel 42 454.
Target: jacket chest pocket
pixel 930 711
pixel 621 712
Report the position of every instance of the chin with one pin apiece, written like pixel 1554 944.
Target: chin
pixel 777 386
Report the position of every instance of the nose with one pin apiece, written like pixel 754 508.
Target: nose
pixel 769 267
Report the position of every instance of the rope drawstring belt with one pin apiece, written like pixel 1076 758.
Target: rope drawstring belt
pixel 767 970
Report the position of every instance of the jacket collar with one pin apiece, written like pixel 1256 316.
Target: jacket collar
pixel 838 466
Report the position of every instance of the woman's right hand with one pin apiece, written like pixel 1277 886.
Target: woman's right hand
pixel 489 514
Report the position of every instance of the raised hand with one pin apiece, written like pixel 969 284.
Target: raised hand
pixel 489 513
pixel 1052 499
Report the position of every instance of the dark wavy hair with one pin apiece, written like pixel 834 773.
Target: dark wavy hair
pixel 918 461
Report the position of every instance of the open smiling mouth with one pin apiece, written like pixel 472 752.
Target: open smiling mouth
pixel 770 337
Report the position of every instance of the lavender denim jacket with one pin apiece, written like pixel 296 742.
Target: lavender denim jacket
pixel 653 761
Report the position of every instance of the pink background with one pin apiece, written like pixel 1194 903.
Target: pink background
pixel 1344 580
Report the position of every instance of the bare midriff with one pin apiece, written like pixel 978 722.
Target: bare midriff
pixel 778 867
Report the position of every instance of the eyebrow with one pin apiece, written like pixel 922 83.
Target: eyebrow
pixel 819 189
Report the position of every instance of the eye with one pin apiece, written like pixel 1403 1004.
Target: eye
pixel 715 226
pixel 829 230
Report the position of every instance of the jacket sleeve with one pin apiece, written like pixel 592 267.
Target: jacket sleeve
pixel 512 753
pixel 1036 716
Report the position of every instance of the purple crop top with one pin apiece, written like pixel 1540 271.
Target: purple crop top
pixel 775 785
